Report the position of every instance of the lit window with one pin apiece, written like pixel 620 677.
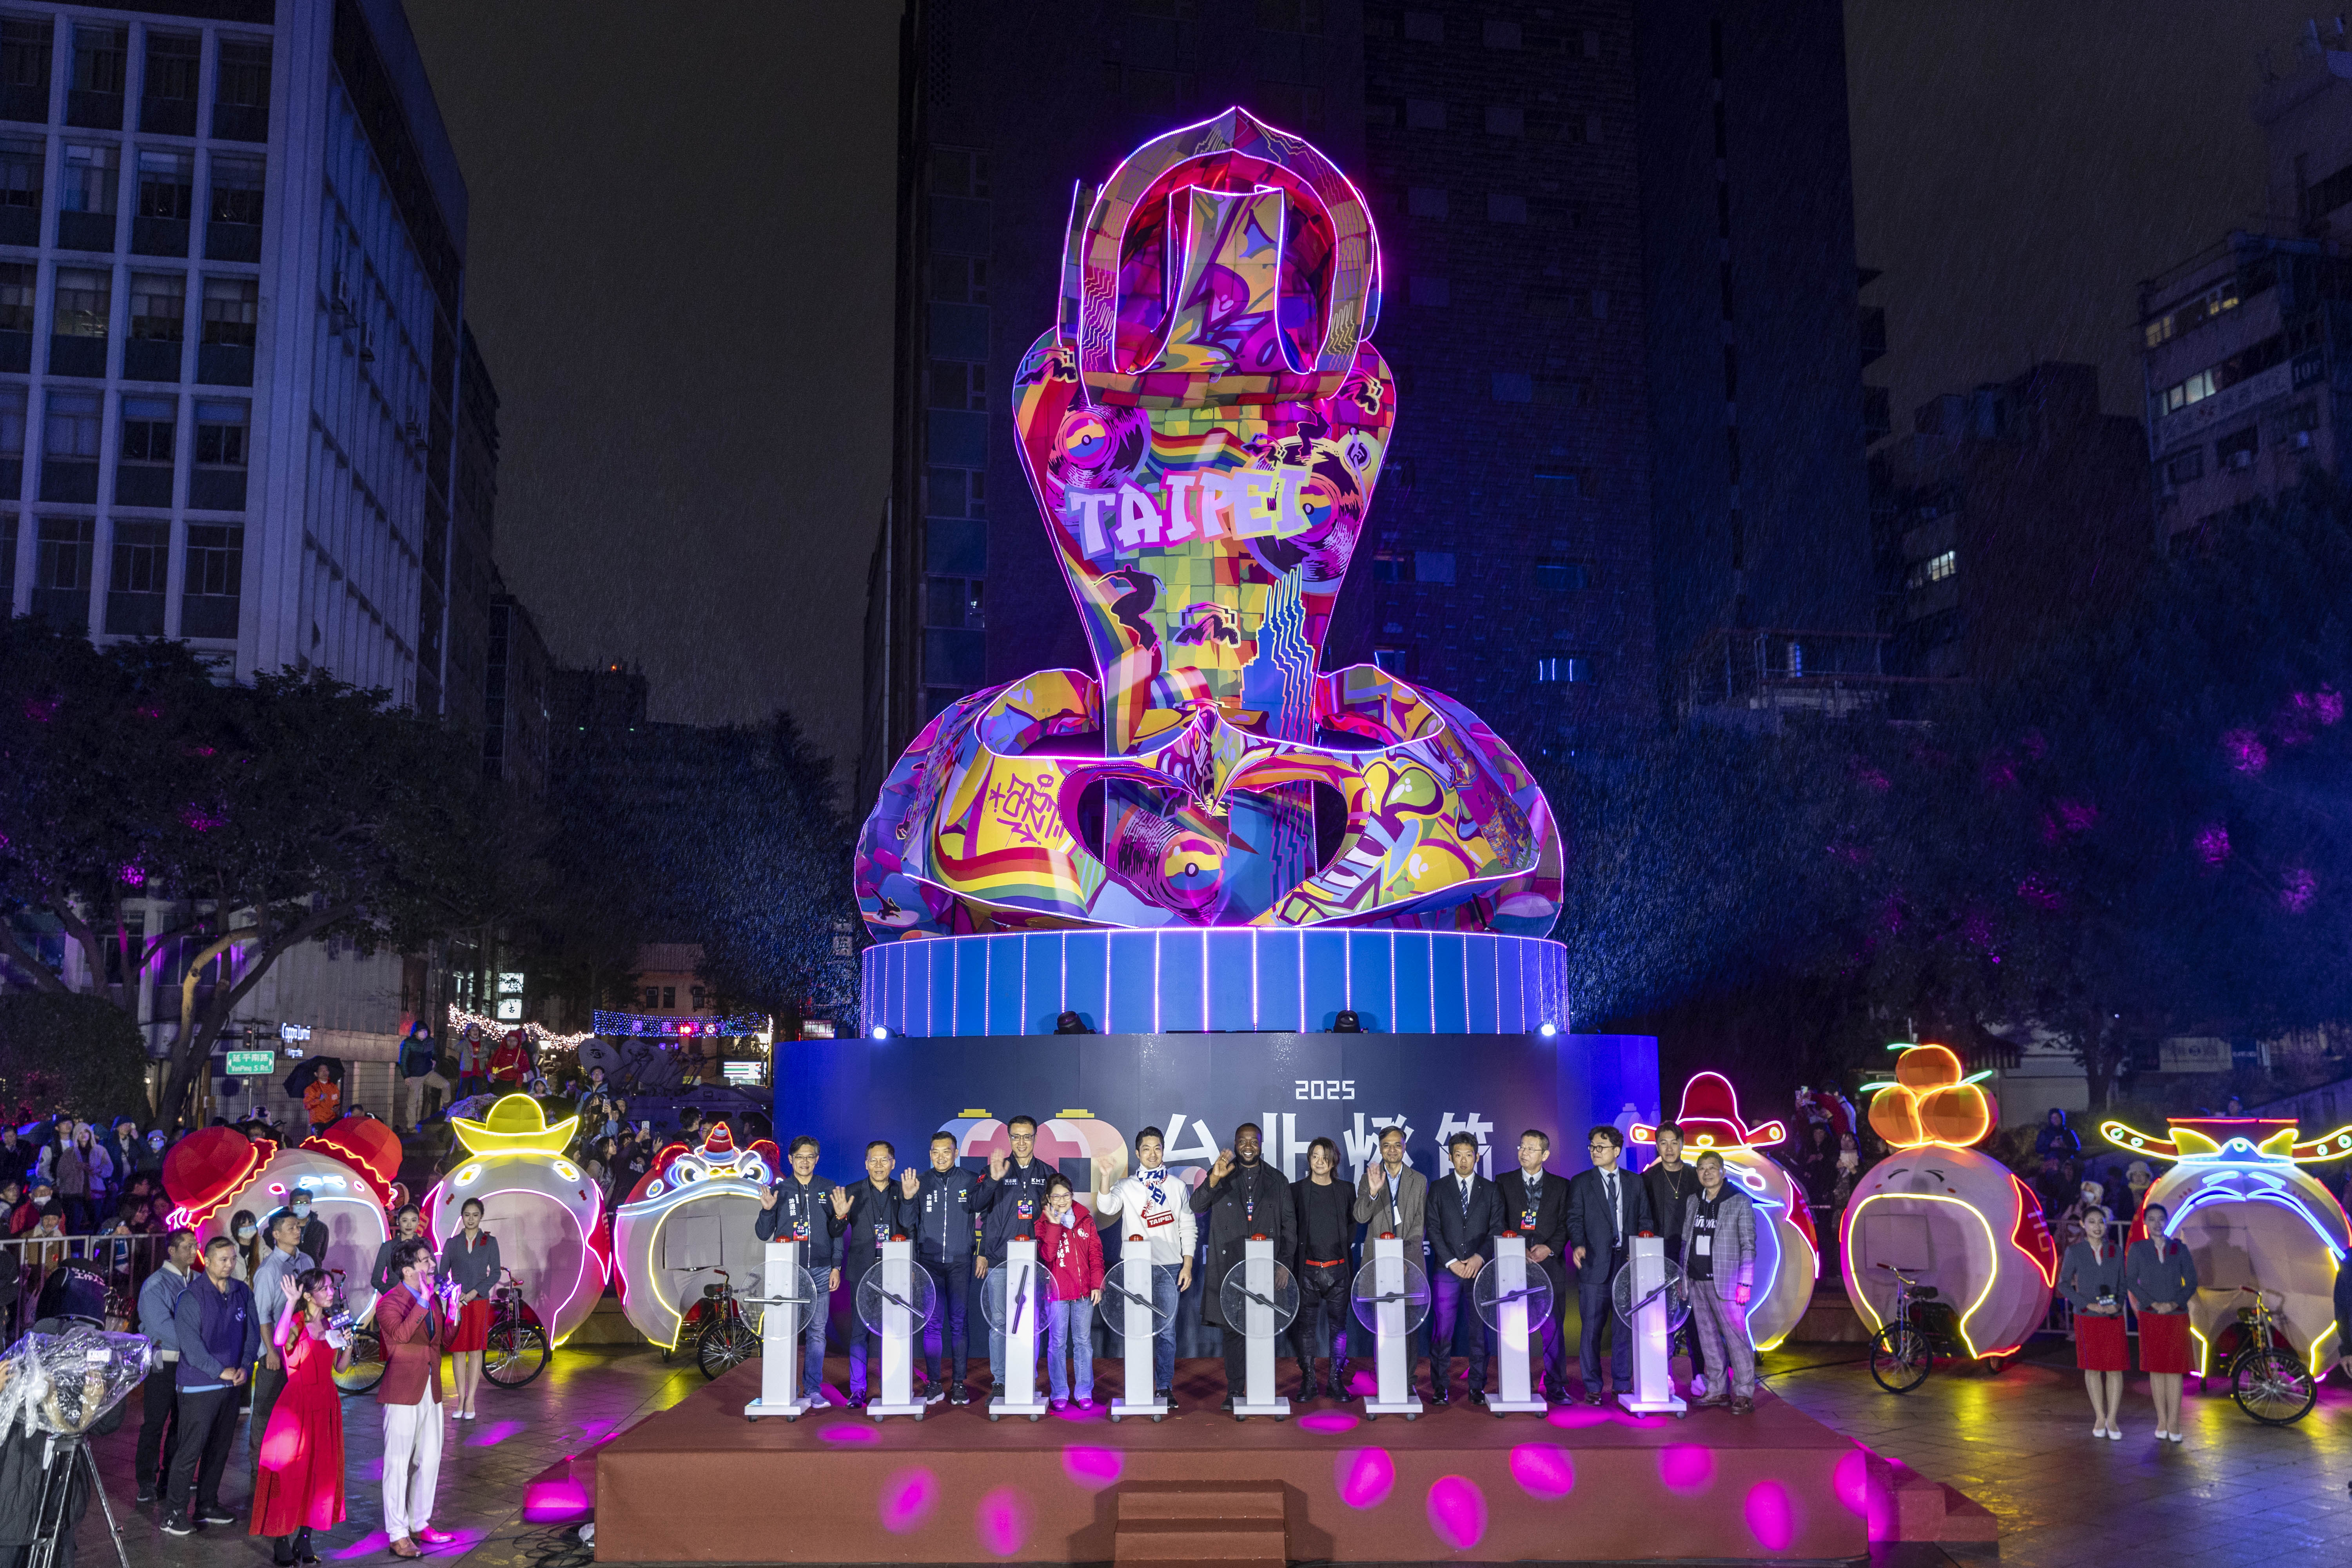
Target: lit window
pixel 1935 568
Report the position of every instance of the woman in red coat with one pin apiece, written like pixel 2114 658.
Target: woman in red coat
pixel 1071 1250
pixel 299 1480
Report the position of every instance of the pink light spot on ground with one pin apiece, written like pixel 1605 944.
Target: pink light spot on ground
pixel 1771 1516
pixel 1574 1418
pixel 908 1499
pixel 548 1503
pixel 1457 1511
pixel 1851 1482
pixel 1093 1468
pixel 375 1543
pixel 1686 1468
pixel 1074 1414
pixel 849 1432
pixel 491 1437
pixel 1328 1421
pixel 1545 1471
pixel 1364 1476
pixel 1002 1521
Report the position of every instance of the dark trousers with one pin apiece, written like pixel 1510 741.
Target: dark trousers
pixel 267 1385
pixel 159 1427
pixel 1323 1296
pixel 864 1346
pixel 1236 1352
pixel 1555 1343
pixel 1451 1310
pixel 207 1427
pixel 1592 1300
pixel 947 1332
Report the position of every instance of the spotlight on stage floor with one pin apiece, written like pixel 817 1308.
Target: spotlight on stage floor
pixel 1070 1024
pixel 1345 1022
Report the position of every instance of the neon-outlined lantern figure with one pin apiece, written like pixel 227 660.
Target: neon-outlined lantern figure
pixel 2239 1199
pixel 1944 1214
pixel 1787 1249
pixel 694 1211
pixel 547 1215
pixel 1063 1141
pixel 350 1169
pixel 1203 429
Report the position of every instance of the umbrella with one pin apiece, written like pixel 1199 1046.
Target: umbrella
pixel 299 1078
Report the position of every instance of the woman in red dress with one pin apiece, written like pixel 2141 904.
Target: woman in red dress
pixel 469 1266
pixel 299 1480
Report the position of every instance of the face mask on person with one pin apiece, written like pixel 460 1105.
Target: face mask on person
pixel 246 1232
pixel 302 1210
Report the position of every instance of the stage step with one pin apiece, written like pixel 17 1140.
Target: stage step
pixel 1909 1506
pixel 1169 1524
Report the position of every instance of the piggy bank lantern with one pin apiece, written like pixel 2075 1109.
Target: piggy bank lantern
pixel 1091 1153
pixel 692 1214
pixel 1203 430
pixel 2238 1198
pixel 547 1215
pixel 1944 1214
pixel 1787 1249
pixel 349 1170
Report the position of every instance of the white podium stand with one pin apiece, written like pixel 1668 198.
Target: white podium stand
pixel 1139 1325
pixel 1654 1383
pixel 902 1320
pixel 1518 1331
pixel 1261 1325
pixel 780 1336
pixel 1024 1304
pixel 1394 1338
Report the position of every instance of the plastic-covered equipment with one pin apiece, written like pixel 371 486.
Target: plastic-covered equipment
pixel 62 1383
pixel 1412 1294
pixel 1126 1283
pixel 1280 1297
pixel 1673 1291
pixel 876 1296
pixel 1534 1291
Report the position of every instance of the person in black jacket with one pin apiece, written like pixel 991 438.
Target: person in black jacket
pixel 869 1214
pixel 1243 1197
pixel 1015 1198
pixel 1465 1213
pixel 1535 1203
pixel 941 1212
pixel 1607 1208
pixel 1325 1209
pixel 798 1208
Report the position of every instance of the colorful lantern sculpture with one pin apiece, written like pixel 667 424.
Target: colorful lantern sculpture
pixel 547 1215
pixel 1787 1249
pixel 693 1212
pixel 2238 1198
pixel 1944 1215
pixel 1062 1141
pixel 350 1169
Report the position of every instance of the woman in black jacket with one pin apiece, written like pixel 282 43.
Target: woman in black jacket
pixel 2162 1278
pixel 2090 1278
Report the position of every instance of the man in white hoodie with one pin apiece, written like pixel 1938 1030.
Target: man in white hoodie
pixel 1156 1204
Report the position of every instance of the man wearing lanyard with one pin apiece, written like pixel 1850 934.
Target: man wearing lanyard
pixel 1243 1197
pixel 1536 1207
pixel 942 1204
pixel 1016 1196
pixel 798 1208
pixel 1159 1209
pixel 868 1212
pixel 1671 1184
pixel 1607 1208
pixel 218 1334
pixel 1719 1265
pixel 1393 1199
pixel 159 1428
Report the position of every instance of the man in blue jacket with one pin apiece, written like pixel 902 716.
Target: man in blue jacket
pixel 870 1214
pixel 1464 1214
pixel 944 1206
pixel 219 1336
pixel 799 1207
pixel 1016 1196
pixel 159 1432
pixel 1607 1208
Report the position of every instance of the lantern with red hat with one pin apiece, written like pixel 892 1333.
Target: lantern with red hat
pixel 349 1170
pixel 692 1212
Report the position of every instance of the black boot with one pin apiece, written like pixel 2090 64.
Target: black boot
pixel 1306 1380
pixel 1339 1389
pixel 282 1550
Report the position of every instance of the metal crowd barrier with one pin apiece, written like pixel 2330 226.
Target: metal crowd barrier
pixel 27 1262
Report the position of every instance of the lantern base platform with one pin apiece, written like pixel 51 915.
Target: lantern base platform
pixel 759 1409
pixel 914 1407
pixel 1141 1409
pixel 697 1483
pixel 1409 1408
pixel 1005 1405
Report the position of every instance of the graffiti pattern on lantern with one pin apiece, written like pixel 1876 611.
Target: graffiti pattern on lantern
pixel 1203 429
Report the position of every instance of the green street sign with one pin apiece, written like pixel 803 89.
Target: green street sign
pixel 252 1064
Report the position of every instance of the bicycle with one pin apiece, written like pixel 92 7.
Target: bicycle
pixel 518 1349
pixel 2267 1379
pixel 1919 1328
pixel 724 1337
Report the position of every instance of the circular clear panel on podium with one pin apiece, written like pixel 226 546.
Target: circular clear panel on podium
pixel 801 1289
pixel 1534 1292
pixel 1014 1306
pixel 1671 1293
pixel 876 1296
pixel 1410 1292
pixel 1245 1306
pixel 1128 1284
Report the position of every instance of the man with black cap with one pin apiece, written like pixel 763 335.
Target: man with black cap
pixel 1243 1197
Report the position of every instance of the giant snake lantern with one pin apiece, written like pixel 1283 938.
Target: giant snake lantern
pixel 1945 1213
pixel 2238 1198
pixel 1204 430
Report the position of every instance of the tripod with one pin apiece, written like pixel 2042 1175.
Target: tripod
pixel 63 1461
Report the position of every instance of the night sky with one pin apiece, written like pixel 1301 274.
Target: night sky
pixel 680 272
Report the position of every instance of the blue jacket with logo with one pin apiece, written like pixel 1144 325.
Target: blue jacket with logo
pixel 804 1212
pixel 945 1212
pixel 1014 1202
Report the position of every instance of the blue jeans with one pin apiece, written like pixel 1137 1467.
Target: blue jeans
pixel 1164 1342
pixel 1069 1335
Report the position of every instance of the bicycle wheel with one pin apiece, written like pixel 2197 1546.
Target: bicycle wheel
pixel 514 1355
pixel 1899 1358
pixel 2272 1386
pixel 726 1345
pixel 367 1364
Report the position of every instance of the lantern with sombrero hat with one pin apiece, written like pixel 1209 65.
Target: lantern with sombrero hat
pixel 547 1215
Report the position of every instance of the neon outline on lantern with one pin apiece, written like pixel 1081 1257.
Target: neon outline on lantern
pixel 1984 1106
pixel 587 1250
pixel 676 1198
pixel 1861 1299
pixel 2233 1151
pixel 1757 1141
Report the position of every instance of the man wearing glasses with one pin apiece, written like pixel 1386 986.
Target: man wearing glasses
pixel 1607 1208
pixel 1015 1196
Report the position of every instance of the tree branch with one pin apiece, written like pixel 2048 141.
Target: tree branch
pixel 42 976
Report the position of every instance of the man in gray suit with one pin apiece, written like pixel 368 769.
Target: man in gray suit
pixel 1392 1196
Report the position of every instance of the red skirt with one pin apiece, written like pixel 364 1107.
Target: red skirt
pixel 2164 1342
pixel 2099 1344
pixel 472 1329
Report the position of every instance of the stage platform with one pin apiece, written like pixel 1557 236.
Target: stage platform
pixel 699 1483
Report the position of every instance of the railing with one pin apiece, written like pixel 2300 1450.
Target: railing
pixel 125 1260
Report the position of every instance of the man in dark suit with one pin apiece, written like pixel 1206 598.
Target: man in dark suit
pixel 1535 1203
pixel 1243 1198
pixel 1464 1215
pixel 1607 1208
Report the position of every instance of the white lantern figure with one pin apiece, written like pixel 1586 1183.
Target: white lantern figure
pixel 693 1213
pixel 547 1215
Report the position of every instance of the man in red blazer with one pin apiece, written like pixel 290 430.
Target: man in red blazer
pixel 411 1321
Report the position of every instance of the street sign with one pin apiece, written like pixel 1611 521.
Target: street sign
pixel 252 1064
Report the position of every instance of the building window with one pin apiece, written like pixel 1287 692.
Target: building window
pixel 1433 566
pixel 70 446
pixel 100 62
pixel 1291 102
pixel 1291 16
pixel 24 69
pixel 2183 467
pixel 16 315
pixel 84 299
pixel 63 556
pixel 134 588
pixel 2235 450
pixel 216 565
pixel 241 92
pixel 142 466
pixel 12 443
pixel 1564 667
pixel 167 94
pixel 1935 568
pixel 1391 661
pixel 218 482
pixel 669 997
pixel 232 308
pixel 159 307
pixel 955 384
pixel 167 196
pixel 8 558
pixel 21 158
pixel 1387 567
pixel 1556 485
pixel 233 223
pixel 87 195
pixel 1562 576
pixel 960 279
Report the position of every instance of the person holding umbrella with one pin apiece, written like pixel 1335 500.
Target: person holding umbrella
pixel 323 1098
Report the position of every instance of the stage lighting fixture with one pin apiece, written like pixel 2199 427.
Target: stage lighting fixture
pixel 881 1033
pixel 1346 1023
pixel 1548 1029
pixel 1070 1024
